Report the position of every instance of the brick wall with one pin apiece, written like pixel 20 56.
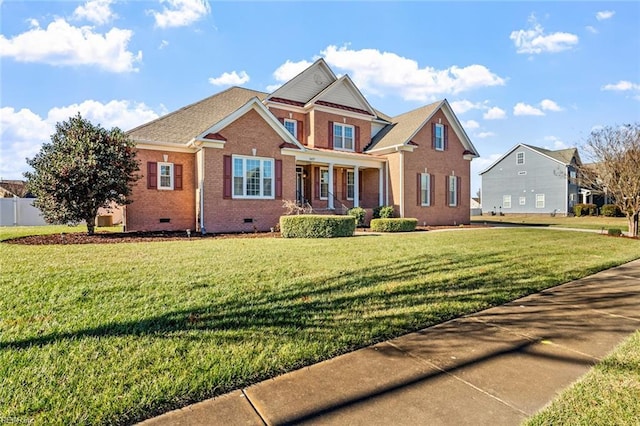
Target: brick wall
pixel 320 137
pixel 151 205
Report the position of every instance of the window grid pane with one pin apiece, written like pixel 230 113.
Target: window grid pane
pixel 506 201
pixel 350 185
pixel 424 189
pixel 324 183
pixel 453 199
pixel 253 178
pixel 439 137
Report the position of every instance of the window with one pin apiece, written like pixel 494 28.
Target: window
pixel 522 201
pixel 324 184
pixel 291 126
pixel 351 184
pixel 520 158
pixel 343 136
pixel 506 201
pixel 252 177
pixel 425 189
pixel 165 176
pixel 453 191
pixel 438 137
pixel 539 201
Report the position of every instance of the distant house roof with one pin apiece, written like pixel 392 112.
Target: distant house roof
pixel 562 156
pixel 181 126
pixel 12 188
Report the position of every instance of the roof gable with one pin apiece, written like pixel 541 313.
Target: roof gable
pixel 405 126
pixel 181 126
pixel 343 93
pixel 306 85
pixel 562 156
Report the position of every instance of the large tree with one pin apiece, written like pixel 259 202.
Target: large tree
pixel 85 167
pixel 615 169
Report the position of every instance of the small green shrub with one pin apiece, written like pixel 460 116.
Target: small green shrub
pixel 317 226
pixel 611 210
pixel 383 212
pixel 585 210
pixel 614 232
pixel 393 224
pixel 358 213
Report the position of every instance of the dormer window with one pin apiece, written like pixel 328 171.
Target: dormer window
pixel 291 126
pixel 343 137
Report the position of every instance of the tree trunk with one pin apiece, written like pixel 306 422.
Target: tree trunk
pixel 633 225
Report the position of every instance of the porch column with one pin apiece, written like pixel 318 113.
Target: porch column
pixel 330 195
pixel 381 187
pixel 356 187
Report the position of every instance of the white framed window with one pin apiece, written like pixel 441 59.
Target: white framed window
pixel 506 201
pixel 520 158
pixel 165 176
pixel 539 201
pixel 439 137
pixel 351 184
pixel 324 184
pixel 343 137
pixel 253 177
pixel 291 126
pixel 453 191
pixel 522 201
pixel 425 189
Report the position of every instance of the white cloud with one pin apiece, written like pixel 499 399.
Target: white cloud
pixel 605 14
pixel 180 13
pixel 230 79
pixel 96 11
pixel 22 132
pixel 63 44
pixel 557 143
pixel 534 40
pixel 386 73
pixel 494 113
pixel 591 29
pixel 483 135
pixel 470 124
pixel 524 109
pixel 621 86
pixel 163 44
pixel 460 107
pixel 549 105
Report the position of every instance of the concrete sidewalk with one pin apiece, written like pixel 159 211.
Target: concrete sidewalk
pixel 496 367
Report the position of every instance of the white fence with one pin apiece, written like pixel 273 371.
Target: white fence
pixel 19 212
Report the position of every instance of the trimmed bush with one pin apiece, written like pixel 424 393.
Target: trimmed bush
pixel 585 210
pixel 611 210
pixel 383 212
pixel 614 232
pixel 358 213
pixel 317 226
pixel 393 225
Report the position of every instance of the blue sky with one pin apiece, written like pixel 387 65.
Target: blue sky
pixel 542 73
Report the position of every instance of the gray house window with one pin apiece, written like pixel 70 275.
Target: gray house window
pixel 520 158
pixel 506 201
pixel 539 201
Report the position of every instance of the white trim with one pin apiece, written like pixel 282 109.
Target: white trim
pixel 441 127
pixel 343 112
pixel 402 188
pixel 347 184
pixel 356 187
pixel 428 188
pixel 285 107
pixel 392 149
pixel 453 179
pixel 513 149
pixel 353 137
pixel 506 201
pixel 518 163
pixel 295 126
pixel 164 146
pixel 339 158
pixel 170 187
pixel 344 80
pixel 320 170
pixel 543 201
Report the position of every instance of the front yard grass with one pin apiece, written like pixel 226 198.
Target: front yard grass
pixel 601 223
pixel 609 394
pixel 112 334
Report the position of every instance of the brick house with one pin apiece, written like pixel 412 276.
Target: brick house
pixel 228 162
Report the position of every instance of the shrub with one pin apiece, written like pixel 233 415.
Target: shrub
pixel 585 210
pixel 614 232
pixel 393 224
pixel 358 213
pixel 611 210
pixel 317 226
pixel 383 212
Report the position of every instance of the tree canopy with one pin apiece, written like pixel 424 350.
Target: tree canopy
pixel 84 168
pixel 615 169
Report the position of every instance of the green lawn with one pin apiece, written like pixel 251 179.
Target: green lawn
pixel 609 394
pixel 583 222
pixel 99 334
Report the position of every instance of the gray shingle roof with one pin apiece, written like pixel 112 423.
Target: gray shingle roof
pixel 563 155
pixel 181 126
pixel 403 127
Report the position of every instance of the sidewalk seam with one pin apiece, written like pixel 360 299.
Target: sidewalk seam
pixel 253 407
pixel 437 367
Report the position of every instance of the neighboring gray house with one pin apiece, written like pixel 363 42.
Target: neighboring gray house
pixel 528 179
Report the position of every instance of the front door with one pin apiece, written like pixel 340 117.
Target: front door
pixel 300 185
